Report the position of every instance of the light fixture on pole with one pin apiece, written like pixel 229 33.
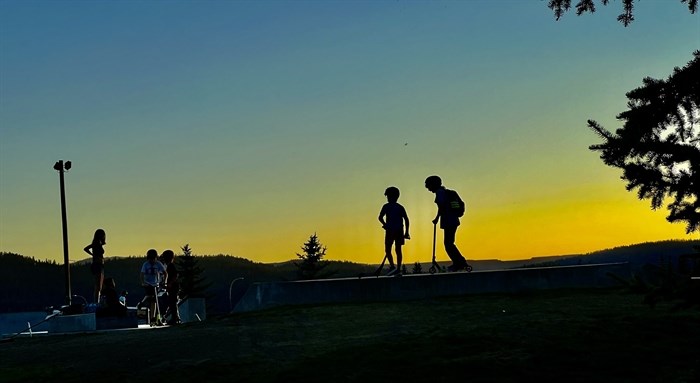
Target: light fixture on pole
pixel 63 167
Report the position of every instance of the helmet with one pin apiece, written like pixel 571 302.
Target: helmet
pixel 433 181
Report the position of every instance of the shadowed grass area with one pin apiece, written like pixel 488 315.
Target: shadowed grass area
pixel 556 336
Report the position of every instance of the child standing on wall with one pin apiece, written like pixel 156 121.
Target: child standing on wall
pixel 392 217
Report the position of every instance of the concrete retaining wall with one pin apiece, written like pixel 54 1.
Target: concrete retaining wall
pixel 410 287
pixel 16 322
pixel 116 322
pixel 72 323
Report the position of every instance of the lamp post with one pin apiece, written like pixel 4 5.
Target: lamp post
pixel 63 167
pixel 230 303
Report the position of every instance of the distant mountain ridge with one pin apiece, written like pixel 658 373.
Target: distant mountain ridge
pixel 648 252
pixel 30 285
pixel 636 254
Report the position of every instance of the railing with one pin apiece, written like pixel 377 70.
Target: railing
pixel 230 288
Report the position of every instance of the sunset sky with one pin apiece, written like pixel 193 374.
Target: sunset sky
pixel 242 128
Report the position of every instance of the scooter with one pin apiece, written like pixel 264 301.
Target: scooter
pixel 377 272
pixel 435 267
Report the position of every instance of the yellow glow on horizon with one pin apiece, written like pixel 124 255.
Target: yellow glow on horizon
pixel 569 225
pixel 529 225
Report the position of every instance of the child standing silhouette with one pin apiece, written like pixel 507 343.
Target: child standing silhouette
pixel 152 274
pixel 97 268
pixel 392 217
pixel 449 221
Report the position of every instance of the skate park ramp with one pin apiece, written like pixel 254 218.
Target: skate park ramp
pixel 265 295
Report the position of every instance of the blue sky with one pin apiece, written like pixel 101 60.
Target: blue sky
pixel 243 127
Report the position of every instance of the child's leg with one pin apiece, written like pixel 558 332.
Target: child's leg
pixel 399 256
pixel 99 277
pixel 387 252
pixel 153 310
pixel 149 299
pixel 154 306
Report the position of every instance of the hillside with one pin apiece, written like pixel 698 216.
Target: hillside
pixel 30 285
pixel 638 255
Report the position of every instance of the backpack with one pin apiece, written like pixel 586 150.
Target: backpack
pixel 456 205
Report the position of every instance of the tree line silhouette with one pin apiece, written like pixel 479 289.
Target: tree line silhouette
pixel 27 284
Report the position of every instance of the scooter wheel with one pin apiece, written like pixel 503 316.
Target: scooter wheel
pixel 469 268
pixel 432 270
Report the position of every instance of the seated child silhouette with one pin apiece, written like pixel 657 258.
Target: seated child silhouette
pixel 110 304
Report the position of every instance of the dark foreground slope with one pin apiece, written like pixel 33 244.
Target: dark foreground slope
pixel 555 336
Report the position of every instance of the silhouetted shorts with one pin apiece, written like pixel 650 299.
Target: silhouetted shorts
pixel 150 291
pixel 394 237
pixel 97 268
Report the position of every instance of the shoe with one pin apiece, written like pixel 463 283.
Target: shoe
pixel 391 271
pixel 459 267
pixel 465 266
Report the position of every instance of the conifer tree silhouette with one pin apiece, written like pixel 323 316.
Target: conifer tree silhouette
pixel 312 259
pixel 560 7
pixel 658 146
pixel 192 282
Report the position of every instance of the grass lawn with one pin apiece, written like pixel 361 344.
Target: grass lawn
pixel 554 336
